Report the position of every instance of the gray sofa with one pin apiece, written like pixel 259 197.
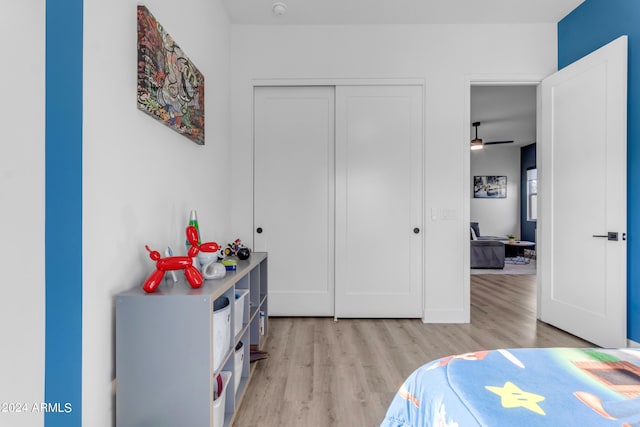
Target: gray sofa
pixel 486 251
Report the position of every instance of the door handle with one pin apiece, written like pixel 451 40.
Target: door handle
pixel 259 230
pixel 416 230
pixel 611 235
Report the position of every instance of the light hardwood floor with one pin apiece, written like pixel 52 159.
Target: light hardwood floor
pixel 325 373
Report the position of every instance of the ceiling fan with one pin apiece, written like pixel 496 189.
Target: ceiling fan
pixel 477 143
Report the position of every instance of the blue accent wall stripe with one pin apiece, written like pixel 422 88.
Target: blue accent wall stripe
pixel 63 213
pixel 590 26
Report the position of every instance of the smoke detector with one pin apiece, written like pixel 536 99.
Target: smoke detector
pixel 279 8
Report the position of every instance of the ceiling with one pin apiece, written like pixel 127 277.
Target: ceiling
pixel 504 113
pixel 344 12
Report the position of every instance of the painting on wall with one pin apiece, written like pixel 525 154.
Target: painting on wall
pixel 170 87
pixel 490 187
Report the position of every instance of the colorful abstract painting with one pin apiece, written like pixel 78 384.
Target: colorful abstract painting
pixel 170 87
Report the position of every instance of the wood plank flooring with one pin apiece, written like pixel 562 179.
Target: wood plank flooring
pixel 324 373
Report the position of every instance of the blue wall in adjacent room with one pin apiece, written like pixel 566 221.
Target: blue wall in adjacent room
pixel 527 161
pixel 590 26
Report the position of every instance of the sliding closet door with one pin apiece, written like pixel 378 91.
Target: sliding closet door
pixel 379 201
pixel 294 196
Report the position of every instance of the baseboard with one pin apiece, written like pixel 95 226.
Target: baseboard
pixel 446 316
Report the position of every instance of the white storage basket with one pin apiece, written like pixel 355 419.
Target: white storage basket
pixel 221 330
pixel 218 404
pixel 239 365
pixel 239 314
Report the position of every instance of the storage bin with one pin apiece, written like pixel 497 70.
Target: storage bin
pixel 221 330
pixel 239 365
pixel 218 404
pixel 239 314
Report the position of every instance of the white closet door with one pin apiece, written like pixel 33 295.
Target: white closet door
pixel 379 201
pixel 294 196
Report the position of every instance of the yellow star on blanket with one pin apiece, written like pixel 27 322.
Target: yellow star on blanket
pixel 513 397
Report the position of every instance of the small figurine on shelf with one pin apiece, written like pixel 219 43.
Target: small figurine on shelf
pixel 237 249
pixel 231 248
pixel 230 264
pixel 170 263
pixel 208 254
pixel 175 263
pixel 243 253
pixel 214 270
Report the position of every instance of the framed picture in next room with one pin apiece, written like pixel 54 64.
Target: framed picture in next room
pixel 490 187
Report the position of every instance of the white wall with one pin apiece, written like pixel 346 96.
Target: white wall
pixel 447 57
pixel 141 178
pixel 22 213
pixel 497 217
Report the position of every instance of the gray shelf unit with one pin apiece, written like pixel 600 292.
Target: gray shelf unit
pixel 164 347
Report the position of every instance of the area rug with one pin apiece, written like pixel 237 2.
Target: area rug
pixel 509 269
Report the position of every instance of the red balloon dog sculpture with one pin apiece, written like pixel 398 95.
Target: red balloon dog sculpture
pixel 194 277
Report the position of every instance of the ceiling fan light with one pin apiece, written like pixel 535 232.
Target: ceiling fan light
pixel 476 144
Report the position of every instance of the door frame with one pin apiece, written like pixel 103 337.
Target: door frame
pixel 262 82
pixel 491 80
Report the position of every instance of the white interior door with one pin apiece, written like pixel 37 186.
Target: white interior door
pixel 378 201
pixel 583 193
pixel 294 196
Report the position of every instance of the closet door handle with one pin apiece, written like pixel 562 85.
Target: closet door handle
pixel 259 230
pixel 416 230
pixel 611 235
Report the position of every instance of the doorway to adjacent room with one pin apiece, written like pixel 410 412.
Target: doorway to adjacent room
pixel 503 175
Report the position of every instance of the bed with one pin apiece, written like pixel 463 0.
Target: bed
pixel 522 387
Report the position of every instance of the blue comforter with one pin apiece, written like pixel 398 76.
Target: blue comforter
pixel 522 387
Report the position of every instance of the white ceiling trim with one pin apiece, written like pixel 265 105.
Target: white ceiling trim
pixel 347 81
pixel 364 12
